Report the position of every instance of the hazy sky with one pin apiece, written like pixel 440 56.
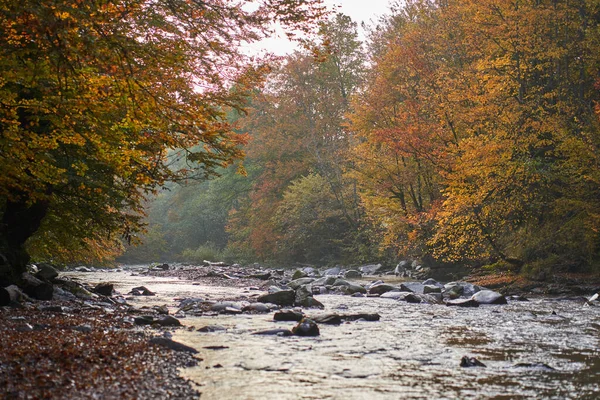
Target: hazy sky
pixel 366 11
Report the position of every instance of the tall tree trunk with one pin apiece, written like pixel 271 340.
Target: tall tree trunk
pixel 19 222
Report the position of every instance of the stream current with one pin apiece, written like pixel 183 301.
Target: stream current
pixel 413 352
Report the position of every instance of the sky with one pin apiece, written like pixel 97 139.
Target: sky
pixel 360 11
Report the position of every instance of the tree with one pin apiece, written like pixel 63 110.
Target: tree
pixel 93 95
pixel 298 128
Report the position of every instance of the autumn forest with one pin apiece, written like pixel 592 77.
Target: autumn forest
pixel 459 132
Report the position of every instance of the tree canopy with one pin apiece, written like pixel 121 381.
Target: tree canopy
pixel 99 100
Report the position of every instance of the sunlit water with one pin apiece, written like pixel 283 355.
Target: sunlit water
pixel 414 351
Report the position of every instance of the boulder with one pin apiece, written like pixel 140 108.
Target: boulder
pixel 36 288
pixel 295 284
pixel 306 327
pixel 223 306
pixel 384 287
pixel 164 267
pixel 462 303
pixel 489 297
pixel 352 289
pixel 433 282
pixel 142 291
pixel 324 281
pixel 335 271
pixel 412 298
pixel 353 274
pixel 466 289
pixel 288 315
pixel 394 294
pixel 168 320
pixel 105 289
pixel 257 308
pixel 416 287
pixel 431 289
pixel 211 328
pixel 304 298
pixel 46 272
pixel 281 298
pixel 298 274
pixel 467 362
pixel 370 269
pixel 341 282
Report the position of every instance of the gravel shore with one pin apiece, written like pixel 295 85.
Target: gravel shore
pixel 51 350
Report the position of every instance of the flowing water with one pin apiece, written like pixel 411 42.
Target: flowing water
pixel 413 352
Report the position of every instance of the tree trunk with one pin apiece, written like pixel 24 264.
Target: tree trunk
pixel 19 222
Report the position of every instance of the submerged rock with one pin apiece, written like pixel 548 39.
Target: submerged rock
pixel 288 315
pixel 274 332
pixel 142 291
pixel 536 365
pixel 462 303
pixel 284 297
pixel 467 362
pixel 306 327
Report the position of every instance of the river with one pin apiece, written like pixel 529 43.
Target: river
pixel 413 352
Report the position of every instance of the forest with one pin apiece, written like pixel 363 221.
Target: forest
pixel 460 132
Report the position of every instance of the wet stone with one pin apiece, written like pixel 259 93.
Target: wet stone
pixel 105 289
pixel 288 315
pixel 142 291
pixel 462 303
pixel 212 328
pixel 281 298
pixel 274 332
pixel 467 362
pixel 306 327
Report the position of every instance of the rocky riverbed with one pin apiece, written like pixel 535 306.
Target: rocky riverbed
pixel 260 334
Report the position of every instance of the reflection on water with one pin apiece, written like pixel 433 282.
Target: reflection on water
pixel 413 352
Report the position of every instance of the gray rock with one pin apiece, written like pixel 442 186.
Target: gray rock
pixel 298 274
pixel 384 287
pixel 595 298
pixel 352 274
pixel 46 272
pixel 295 284
pixel 489 297
pixel 257 307
pixel 324 281
pixel 466 289
pixel 281 298
pixel 433 282
pixel 431 289
pixel 416 287
pixel 341 282
pixel 304 298
pixel 335 271
pixel 288 315
pixel 370 269
pixel 222 306
pixel 352 289
pixel 211 328
pixel 462 303
pixel 394 294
